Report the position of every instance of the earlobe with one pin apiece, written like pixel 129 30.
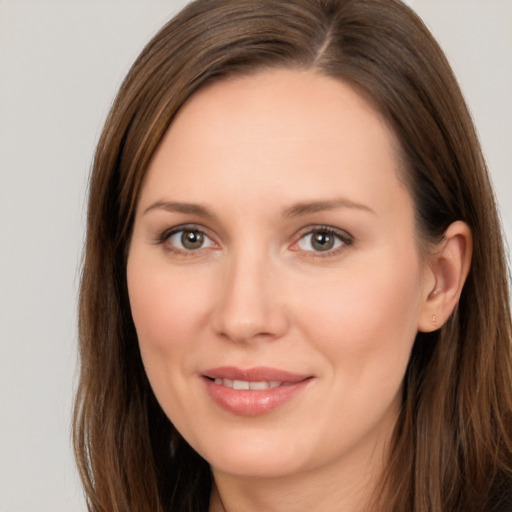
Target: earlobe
pixel 449 265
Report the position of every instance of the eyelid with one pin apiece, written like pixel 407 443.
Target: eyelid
pixel 165 236
pixel 346 238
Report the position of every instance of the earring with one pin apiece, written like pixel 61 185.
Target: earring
pixel 434 321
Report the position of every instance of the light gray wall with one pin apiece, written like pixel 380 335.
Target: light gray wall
pixel 477 38
pixel 60 64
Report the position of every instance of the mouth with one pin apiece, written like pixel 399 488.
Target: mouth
pixel 245 384
pixel 255 391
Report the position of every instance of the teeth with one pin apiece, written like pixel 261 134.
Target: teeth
pixel 258 385
pixel 244 384
pixel 240 384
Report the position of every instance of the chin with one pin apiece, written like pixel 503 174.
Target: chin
pixel 262 458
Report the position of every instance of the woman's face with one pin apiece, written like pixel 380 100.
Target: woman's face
pixel 273 274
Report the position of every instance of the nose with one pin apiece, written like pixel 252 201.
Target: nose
pixel 250 304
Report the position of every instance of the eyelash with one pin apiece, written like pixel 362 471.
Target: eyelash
pixel 341 236
pixel 345 239
pixel 164 239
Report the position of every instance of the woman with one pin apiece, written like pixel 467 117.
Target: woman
pixel 294 293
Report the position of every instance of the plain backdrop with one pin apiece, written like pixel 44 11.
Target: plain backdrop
pixel 60 65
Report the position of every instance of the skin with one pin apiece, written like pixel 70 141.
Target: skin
pixel 259 293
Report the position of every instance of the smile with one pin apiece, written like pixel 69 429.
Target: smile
pixel 255 391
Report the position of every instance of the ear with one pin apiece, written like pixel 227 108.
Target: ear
pixel 448 267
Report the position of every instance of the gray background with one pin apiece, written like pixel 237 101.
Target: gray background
pixel 60 65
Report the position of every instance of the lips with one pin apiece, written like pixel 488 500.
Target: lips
pixel 255 391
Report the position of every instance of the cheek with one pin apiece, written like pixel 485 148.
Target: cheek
pixel 160 316
pixel 168 321
pixel 367 316
pixel 165 310
pixel 164 305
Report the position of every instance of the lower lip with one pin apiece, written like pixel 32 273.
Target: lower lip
pixel 255 402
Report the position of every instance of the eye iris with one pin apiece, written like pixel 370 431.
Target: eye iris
pixel 322 241
pixel 192 239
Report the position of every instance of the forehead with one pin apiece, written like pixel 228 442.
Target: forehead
pixel 257 135
pixel 302 103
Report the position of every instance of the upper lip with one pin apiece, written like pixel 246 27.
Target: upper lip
pixel 257 374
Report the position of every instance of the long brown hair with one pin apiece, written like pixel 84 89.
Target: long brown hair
pixel 452 448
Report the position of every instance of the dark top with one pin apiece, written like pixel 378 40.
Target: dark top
pixel 503 499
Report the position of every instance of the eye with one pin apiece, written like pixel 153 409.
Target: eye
pixel 322 240
pixel 188 239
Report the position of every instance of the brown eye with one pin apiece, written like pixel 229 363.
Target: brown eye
pixel 192 240
pixel 322 240
pixel 189 240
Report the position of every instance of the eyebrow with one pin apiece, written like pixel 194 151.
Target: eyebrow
pixel 307 208
pixel 295 210
pixel 175 206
